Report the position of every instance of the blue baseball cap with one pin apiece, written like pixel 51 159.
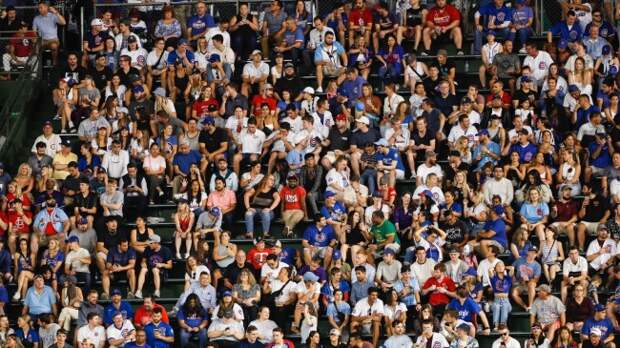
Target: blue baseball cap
pixel 483 132
pixel 606 50
pixel 573 88
pixel 329 194
pixel 562 44
pixel 214 58
pixel 215 211
pixel 138 89
pixel 491 32
pixel 208 120
pixel 359 106
pixel 599 307
pixel 73 239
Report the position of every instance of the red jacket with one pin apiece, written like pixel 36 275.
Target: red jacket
pixel 288 343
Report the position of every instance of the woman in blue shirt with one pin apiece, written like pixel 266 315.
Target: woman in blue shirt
pixel 534 213
pixel 391 57
pixel 501 284
pixel 193 320
pixel 27 334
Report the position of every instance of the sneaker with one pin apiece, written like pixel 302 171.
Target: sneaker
pixel 63 131
pixel 178 256
pixel 130 295
pixel 319 89
pixel 156 294
pixel 56 117
pixel 73 130
pixel 139 294
pixel 105 296
pixel 424 53
pixel 460 53
pixel 186 256
pixel 16 297
pixel 286 231
pixel 523 50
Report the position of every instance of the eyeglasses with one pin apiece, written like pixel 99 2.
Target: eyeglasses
pixel 504 333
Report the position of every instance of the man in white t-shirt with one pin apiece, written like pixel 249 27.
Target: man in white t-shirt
pixel 271 268
pixel 367 315
pixel 574 271
pixel 251 140
pixel 601 251
pixel 429 166
pixel 92 332
pixel 504 339
pixel 255 73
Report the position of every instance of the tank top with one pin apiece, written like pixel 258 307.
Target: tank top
pixel 245 29
pixel 414 17
pixel 225 262
pixel 550 253
pixel 184 222
pixel 23 263
pixel 142 236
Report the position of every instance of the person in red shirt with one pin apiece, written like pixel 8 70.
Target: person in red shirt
pixel 360 22
pixel 439 288
pixel 294 204
pixel 443 22
pixel 257 255
pixel 265 97
pixel 497 90
pixel 144 313
pixel 19 222
pixel 19 48
pixel 201 106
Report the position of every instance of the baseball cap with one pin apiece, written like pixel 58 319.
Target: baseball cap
pixel 336 256
pixel 601 227
pixel 562 44
pixel 73 239
pixel 341 117
pixel 329 194
pixel 291 176
pixel 498 209
pixel 214 58
pixel 255 52
pixel 525 79
pixel 465 100
pixel 154 239
pixel 544 287
pixel 66 142
pixel 483 132
pixel 289 65
pixel 47 123
pixel 208 120
pixel 182 42
pixel 96 22
pixel 138 89
pixel 82 220
pixel 596 332
pixel 427 193
pixel 114 293
pixel 471 272
pixel 491 32
pixel 334 332
pixel 606 50
pixel 389 251
pixel 215 211
pixel 573 89
pixel 131 39
pixel 599 307
pixel 159 92
pixel 310 277
pixel 226 293
pixel 463 327
pixel 309 90
pixel 359 106
pixel 382 142
pixel 363 120
pixel 258 240
pixel 533 248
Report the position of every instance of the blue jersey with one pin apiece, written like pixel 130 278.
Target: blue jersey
pixel 391 157
pixel 287 255
pixel 334 213
pixel 501 14
pixel 200 24
pixel 604 325
pixel 466 309
pixel 163 329
pixel 109 311
pixel 569 34
pixel 499 227
pixel 319 238
pixel 501 285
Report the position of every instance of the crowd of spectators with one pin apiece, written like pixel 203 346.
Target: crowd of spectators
pixel 422 204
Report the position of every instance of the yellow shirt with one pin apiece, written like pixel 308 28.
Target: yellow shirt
pixel 59 158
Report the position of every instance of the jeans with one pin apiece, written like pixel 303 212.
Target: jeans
pixel 410 255
pixel 369 178
pixel 480 35
pixel 265 218
pixel 227 71
pixel 523 34
pixel 389 72
pixel 501 307
pixel 243 45
pixel 312 198
pixel 186 336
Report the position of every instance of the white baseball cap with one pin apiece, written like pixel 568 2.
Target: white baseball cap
pixel 96 22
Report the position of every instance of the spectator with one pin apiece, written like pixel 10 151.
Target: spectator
pixel 442 22
pixel 548 311
pixel 158 333
pixel 157 259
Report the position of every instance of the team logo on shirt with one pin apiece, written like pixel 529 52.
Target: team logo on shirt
pixel 572 35
pixel 501 16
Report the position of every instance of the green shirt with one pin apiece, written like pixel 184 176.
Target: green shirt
pixel 382 231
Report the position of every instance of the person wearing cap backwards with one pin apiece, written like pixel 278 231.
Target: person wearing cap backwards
pixel 599 322
pixel 94 41
pixel 255 74
pixel 135 52
pixel 157 260
pixel 121 331
pixel 46 24
pixel 527 274
pixel 548 310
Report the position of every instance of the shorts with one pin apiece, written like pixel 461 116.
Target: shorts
pixel 332 71
pixel 496 243
pixel 598 172
pixel 521 287
pixel 400 174
pixel 319 251
pixel 590 227
pixel 48 43
pixel 561 229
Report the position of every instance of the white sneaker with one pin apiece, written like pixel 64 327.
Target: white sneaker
pixel 16 297
pixel 319 89
pixel 139 294
pixel 523 50
pixel 156 294
pixel 186 256
pixel 178 256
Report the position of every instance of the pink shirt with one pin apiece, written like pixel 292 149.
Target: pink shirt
pixel 224 200
pixel 154 163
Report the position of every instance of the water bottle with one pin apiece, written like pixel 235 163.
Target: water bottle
pixel 466 66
